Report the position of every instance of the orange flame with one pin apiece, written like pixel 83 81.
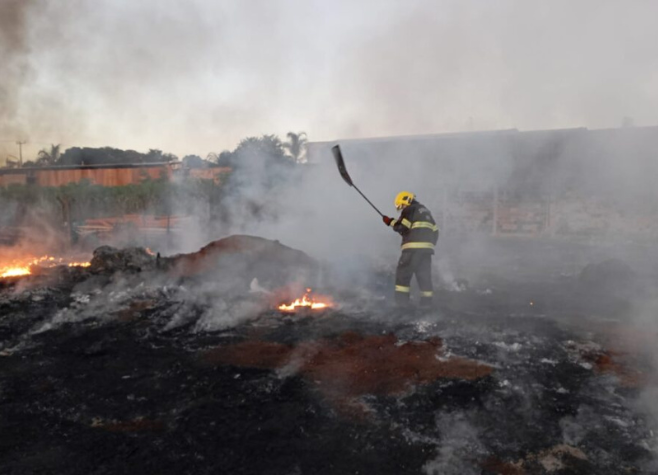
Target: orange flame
pixel 307 301
pixel 79 264
pixel 18 267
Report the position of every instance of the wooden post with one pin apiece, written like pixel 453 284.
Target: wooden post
pixel 65 203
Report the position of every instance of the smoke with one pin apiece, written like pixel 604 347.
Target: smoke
pixel 196 78
pixel 201 307
pixel 199 77
pixel 459 447
pixel 642 331
pixel 14 50
pixel 463 65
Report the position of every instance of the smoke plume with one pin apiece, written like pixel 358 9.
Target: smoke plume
pixel 14 51
pixel 197 78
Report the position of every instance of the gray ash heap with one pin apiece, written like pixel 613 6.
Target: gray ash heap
pixel 184 364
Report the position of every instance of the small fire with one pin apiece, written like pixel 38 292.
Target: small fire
pixel 18 267
pixel 307 301
pixel 79 264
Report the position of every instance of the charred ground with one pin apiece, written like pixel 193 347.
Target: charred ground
pixel 139 364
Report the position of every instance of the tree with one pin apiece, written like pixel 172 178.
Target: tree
pixel 49 157
pixel 156 156
pixel 296 146
pixel 111 156
pixel 225 158
pixel 254 153
pixel 194 161
pixel 267 148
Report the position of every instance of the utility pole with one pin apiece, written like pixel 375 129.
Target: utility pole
pixel 20 151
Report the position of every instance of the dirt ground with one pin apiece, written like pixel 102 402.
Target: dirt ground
pixel 131 372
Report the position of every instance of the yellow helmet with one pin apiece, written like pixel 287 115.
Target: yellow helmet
pixel 403 199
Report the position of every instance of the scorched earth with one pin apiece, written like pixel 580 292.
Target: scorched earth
pixel 141 364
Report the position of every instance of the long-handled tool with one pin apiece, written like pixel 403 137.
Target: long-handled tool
pixel 338 156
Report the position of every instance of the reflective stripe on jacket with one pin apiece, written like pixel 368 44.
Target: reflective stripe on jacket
pixel 417 227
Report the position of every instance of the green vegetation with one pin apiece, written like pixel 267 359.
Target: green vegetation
pixel 83 200
pixel 266 148
pixel 296 146
pixel 97 156
pixel 49 157
pixel 260 167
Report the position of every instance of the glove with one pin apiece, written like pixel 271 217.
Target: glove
pixel 387 220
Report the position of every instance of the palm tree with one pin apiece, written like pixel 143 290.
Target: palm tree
pixel 296 146
pixel 49 157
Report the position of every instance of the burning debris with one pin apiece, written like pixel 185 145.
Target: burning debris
pixel 307 302
pixel 243 258
pixel 108 259
pixel 15 267
pixel 184 363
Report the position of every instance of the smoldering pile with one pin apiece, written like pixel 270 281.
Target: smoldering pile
pixel 227 278
pixel 184 364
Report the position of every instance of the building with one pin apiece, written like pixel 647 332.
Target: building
pixel 106 175
pixel 567 181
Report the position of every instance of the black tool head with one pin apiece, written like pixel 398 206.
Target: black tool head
pixel 341 164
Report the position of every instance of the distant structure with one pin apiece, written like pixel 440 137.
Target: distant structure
pixel 106 175
pixel 512 182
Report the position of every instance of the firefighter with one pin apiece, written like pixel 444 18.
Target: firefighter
pixel 419 236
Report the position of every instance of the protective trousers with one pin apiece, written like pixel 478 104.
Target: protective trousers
pixel 418 262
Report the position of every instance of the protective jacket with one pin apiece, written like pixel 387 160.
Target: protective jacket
pixel 417 227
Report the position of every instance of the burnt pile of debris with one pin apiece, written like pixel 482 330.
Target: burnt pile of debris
pixel 107 259
pixel 182 364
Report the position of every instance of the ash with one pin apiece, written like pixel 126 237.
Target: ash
pixel 145 365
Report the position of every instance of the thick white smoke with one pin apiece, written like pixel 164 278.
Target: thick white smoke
pixel 197 77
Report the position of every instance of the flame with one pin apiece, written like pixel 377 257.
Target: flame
pixel 23 266
pixel 14 271
pixel 307 301
pixel 79 264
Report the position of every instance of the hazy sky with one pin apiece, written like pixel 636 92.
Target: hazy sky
pixel 197 76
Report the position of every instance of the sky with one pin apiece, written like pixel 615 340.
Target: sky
pixel 196 77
